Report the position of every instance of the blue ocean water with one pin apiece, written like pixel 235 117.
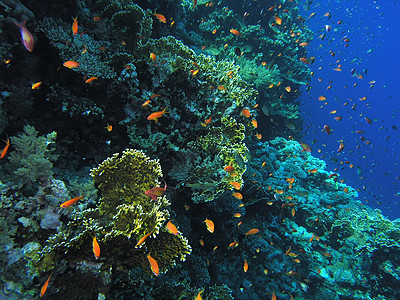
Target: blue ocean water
pixel 362 39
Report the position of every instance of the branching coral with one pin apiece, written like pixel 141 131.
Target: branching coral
pixel 123 216
pixel 225 144
pixel 130 22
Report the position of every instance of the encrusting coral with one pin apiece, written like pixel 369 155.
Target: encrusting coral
pixel 123 216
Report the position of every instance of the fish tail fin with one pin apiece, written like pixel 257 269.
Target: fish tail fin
pixel 21 24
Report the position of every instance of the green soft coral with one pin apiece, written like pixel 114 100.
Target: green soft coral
pixel 32 156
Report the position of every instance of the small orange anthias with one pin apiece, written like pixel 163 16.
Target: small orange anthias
pixel 156 191
pixel 5 149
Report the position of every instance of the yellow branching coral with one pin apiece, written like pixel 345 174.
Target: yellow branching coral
pixel 123 217
pixel 225 145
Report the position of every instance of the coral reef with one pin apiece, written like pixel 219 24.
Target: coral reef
pixel 31 160
pixel 122 217
pixel 284 224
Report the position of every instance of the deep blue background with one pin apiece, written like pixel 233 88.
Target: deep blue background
pixel 373 28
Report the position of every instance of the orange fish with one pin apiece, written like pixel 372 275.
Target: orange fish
pixel 237 195
pixel 198 297
pixel 235 184
pixel 277 20
pixel 155 96
pixel 71 201
pixel 235 32
pixel 237 215
pixel 258 136
pixel 254 123
pixel 221 88
pixel 194 72
pixel 303 44
pixel 206 122
pixel 341 147
pixel 305 147
pixel 160 17
pixel 288 89
pixel 290 180
pixel 27 38
pixel 109 127
pixel 145 103
pixel 252 231
pixel 234 244
pixel 172 228
pixel 36 85
pixel 153 57
pixel 313 171
pixel 141 241
pixel 246 113
pixel 369 121
pixel 97 19
pixel 209 225
pixel 96 248
pixel 91 79
pixel 273 296
pixel 75 25
pixel 44 287
pixel 155 115
pixel 311 238
pixel 153 265
pixel 229 169
pixel 5 149
pixel 321 98
pixel 327 129
pixel 304 60
pixel 71 64
pixel 245 266
pixel 156 192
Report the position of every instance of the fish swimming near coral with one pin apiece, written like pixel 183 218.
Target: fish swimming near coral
pixel 209 225
pixel 160 17
pixel 36 85
pixel 27 38
pixel 70 64
pixel 172 228
pixel 153 265
pixel 156 192
pixel 155 115
pixel 96 248
pixel 44 286
pixel 75 25
pixel 142 240
pixel 5 149
pixel 71 201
